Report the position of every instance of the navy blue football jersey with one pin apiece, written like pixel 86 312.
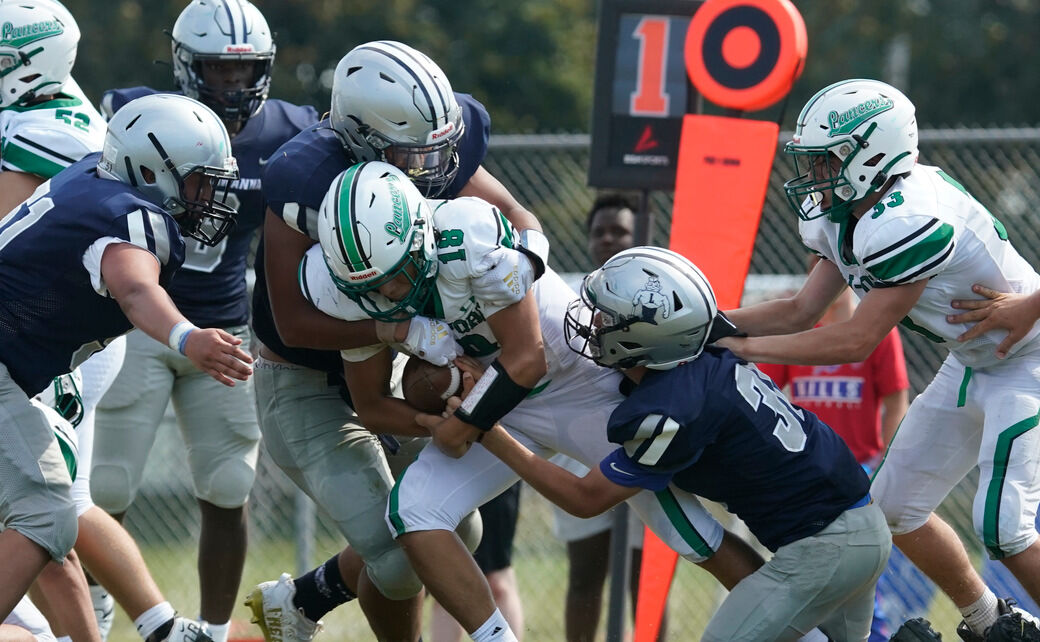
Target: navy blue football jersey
pixel 719 428
pixel 210 289
pixel 296 179
pixel 51 316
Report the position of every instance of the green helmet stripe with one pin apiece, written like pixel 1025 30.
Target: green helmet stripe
pixel 348 232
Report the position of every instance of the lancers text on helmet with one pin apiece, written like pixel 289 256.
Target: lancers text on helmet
pixel 16 37
pixel 848 120
pixel 397 226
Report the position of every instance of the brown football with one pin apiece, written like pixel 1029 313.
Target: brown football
pixel 426 387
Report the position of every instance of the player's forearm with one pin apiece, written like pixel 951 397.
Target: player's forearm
pixel 304 326
pixel 389 416
pixel 779 316
pixel 828 345
pixel 893 407
pixel 559 486
pixel 151 310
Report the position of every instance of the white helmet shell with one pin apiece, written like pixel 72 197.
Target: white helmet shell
pixel 869 126
pixel 38 40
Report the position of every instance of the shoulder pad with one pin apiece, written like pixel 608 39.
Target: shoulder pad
pixel 900 249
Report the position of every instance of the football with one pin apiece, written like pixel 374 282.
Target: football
pixel 426 387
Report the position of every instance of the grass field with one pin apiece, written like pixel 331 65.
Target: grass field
pixel 541 569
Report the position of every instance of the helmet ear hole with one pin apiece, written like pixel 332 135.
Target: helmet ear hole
pixel 147 175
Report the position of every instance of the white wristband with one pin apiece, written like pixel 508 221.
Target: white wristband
pixel 179 335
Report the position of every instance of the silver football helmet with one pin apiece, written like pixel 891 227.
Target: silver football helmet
pixel 37 49
pixel 159 144
pixel 646 306
pixel 374 227
pixel 869 127
pixel 227 32
pixel 391 102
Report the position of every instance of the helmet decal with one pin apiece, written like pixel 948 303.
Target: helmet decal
pixel 649 301
pixel 846 122
pixel 19 36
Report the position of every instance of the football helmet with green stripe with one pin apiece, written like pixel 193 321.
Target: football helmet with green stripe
pixel 37 49
pixel 376 233
pixel 646 306
pixel 850 138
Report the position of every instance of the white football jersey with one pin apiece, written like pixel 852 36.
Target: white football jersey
pixel 472 235
pixel 47 137
pixel 927 226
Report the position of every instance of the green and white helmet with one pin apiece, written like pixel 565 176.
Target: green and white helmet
pixel 374 226
pixel 869 126
pixel 647 306
pixel 38 40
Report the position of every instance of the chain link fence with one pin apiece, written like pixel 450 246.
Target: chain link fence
pixel 548 174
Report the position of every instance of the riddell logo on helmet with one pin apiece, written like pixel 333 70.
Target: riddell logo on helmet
pixel 443 132
pixel 363 276
pixel 238 48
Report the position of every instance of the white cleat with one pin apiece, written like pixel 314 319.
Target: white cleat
pixel 104 609
pixel 276 615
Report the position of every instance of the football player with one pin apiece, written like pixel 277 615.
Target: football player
pixel 388 254
pixel 46 124
pixel 731 437
pixel 389 101
pixel 223 53
pixel 908 238
pixel 83 260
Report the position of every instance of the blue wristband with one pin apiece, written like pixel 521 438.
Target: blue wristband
pixel 179 335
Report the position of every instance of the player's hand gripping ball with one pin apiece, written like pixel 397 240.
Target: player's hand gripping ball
pixel 426 387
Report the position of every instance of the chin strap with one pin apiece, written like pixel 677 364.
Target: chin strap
pixel 535 246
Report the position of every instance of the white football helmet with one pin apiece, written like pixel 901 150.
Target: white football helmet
pixel 38 40
pixel 647 306
pixel 374 226
pixel 391 102
pixel 226 31
pixel 157 143
pixel 869 126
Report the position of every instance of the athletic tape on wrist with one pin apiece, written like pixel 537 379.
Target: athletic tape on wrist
pixel 179 335
pixel 493 396
pixel 535 246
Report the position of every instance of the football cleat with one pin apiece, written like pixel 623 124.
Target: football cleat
pixel 276 615
pixel 1013 625
pixel 916 630
pixel 185 630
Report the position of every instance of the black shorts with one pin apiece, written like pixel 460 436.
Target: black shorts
pixel 499 516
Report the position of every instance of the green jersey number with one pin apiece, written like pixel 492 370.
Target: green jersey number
pixel 450 238
pixel 76 119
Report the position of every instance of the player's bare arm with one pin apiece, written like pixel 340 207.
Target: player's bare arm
pixel 15 187
pixel 299 323
pixel 483 185
pixel 379 411
pixel 793 314
pixel 846 342
pixel 132 277
pixel 580 496
pixel 1016 313
pixel 519 333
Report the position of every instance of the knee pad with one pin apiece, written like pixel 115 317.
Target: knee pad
pixel 229 484
pixel 1008 543
pixel 110 488
pixel 392 574
pixel 470 530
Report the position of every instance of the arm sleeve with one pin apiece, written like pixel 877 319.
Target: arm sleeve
pixel 145 229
